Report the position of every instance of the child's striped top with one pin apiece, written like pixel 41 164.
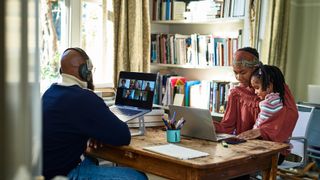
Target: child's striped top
pixel 269 106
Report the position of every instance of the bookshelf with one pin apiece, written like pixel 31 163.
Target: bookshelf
pixel 225 27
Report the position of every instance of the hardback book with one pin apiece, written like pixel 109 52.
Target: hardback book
pixel 149 121
pixel 188 84
pixel 106 92
pixel 179 7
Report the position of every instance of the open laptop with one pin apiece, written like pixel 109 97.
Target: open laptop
pixel 134 96
pixel 198 123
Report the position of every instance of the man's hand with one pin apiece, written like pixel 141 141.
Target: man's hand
pixel 250 134
pixel 94 144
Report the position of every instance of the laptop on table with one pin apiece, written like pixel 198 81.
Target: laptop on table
pixel 198 123
pixel 134 95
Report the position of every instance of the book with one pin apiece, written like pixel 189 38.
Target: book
pixel 199 95
pixel 149 121
pixel 106 92
pixel 178 99
pixel 238 8
pixel 174 84
pixel 168 10
pixel 176 151
pixel 179 7
pixel 188 84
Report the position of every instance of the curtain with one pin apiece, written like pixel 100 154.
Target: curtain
pixel 254 18
pixel 132 36
pixel 275 43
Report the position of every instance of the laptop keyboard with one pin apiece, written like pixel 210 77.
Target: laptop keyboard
pixel 127 112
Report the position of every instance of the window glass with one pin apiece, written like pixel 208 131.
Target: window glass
pixel 97 39
pixel 51 26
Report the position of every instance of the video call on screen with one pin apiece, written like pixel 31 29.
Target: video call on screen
pixel 134 89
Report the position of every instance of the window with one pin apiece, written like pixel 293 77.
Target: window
pixel 51 40
pixel 88 25
pixel 97 38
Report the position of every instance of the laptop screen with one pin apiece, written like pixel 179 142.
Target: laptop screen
pixel 136 89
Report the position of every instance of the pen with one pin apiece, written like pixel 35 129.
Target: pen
pixel 180 123
pixel 224 144
pixel 166 123
pixel 173 118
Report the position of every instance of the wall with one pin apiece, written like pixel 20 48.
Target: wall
pixel 20 115
pixel 303 66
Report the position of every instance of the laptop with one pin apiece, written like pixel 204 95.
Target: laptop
pixel 134 96
pixel 198 123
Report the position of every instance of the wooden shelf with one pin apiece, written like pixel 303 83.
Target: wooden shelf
pixel 192 22
pixel 188 66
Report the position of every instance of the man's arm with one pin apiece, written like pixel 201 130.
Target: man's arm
pixel 102 125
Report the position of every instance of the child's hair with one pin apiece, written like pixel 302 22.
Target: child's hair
pixel 270 74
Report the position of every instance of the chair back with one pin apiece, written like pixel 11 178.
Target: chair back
pixel 313 132
pixel 305 114
pixel 299 134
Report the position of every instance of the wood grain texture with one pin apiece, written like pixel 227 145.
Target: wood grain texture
pixel 222 163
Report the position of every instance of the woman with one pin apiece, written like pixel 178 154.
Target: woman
pixel 243 105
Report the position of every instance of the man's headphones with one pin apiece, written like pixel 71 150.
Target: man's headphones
pixel 84 72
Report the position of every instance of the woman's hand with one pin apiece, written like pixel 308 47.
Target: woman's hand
pixel 250 134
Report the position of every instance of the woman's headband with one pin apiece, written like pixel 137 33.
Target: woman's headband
pixel 245 59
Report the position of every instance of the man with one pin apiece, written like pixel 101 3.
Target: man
pixel 72 114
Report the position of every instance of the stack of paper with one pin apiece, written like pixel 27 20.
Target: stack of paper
pixel 176 151
pixel 151 119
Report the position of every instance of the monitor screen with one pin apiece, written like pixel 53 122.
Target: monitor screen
pixel 136 89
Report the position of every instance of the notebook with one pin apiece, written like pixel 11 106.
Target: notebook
pixel 134 95
pixel 198 123
pixel 176 151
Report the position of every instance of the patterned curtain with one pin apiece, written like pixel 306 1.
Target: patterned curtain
pixel 132 36
pixel 275 45
pixel 254 18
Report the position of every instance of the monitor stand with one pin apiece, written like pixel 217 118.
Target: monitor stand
pixel 141 128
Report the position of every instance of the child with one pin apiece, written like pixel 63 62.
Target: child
pixel 268 83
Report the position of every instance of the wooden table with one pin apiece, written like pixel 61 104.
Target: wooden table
pixel 222 163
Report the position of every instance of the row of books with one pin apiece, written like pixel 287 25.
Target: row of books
pixel 194 49
pixel 212 95
pixel 204 10
pixel 168 10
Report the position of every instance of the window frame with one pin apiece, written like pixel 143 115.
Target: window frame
pixel 71 33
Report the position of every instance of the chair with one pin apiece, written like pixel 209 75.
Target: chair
pixel 299 143
pixel 314 152
pixel 313 132
pixel 313 135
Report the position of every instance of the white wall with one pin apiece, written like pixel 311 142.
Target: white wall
pixel 20 114
pixel 303 66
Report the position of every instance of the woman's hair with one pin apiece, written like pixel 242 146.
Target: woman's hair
pixel 270 74
pixel 246 57
pixel 250 50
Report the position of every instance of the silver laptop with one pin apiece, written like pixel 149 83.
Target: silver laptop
pixel 134 96
pixel 198 123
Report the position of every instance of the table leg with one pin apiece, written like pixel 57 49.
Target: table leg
pixel 271 173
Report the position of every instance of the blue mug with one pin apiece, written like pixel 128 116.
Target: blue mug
pixel 173 135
